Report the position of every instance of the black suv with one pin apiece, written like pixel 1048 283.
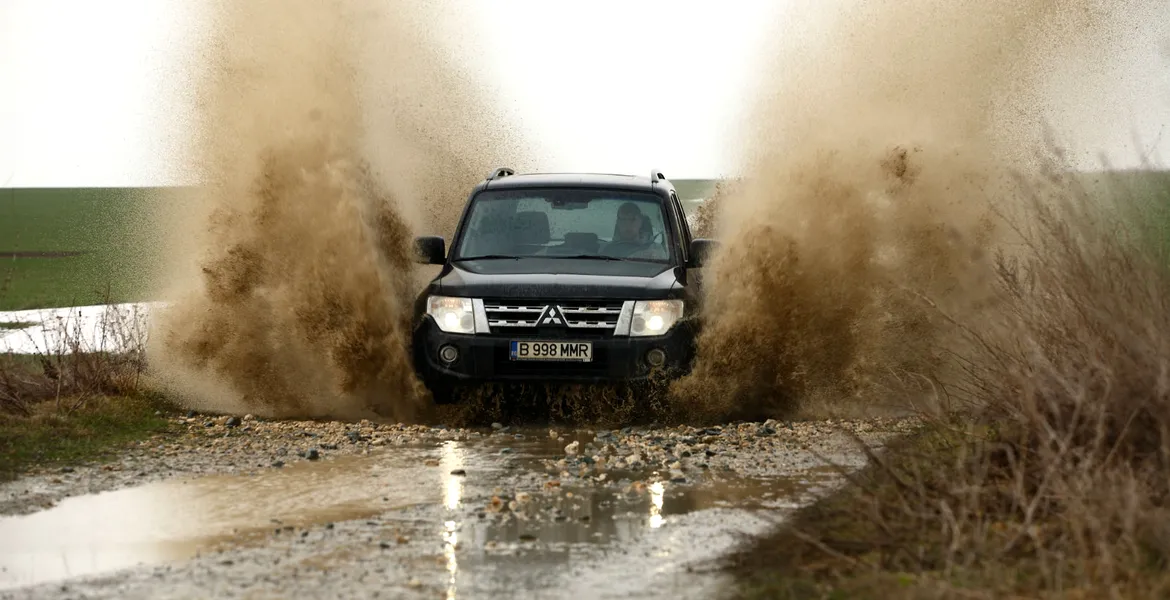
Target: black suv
pixel 560 278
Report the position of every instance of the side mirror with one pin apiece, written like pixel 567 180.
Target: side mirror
pixel 430 250
pixel 701 252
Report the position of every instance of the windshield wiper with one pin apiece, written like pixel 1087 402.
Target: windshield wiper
pixel 594 256
pixel 487 257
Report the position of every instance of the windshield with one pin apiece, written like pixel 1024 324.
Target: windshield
pixel 604 224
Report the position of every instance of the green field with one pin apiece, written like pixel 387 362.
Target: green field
pixel 111 229
pixel 108 229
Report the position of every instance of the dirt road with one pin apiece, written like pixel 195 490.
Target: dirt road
pixel 254 509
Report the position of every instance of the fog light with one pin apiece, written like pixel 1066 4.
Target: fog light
pixel 448 354
pixel 656 357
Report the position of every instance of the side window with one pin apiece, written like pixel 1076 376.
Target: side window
pixel 682 215
pixel 680 222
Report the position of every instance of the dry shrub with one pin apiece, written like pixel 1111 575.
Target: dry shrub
pixel 1075 377
pixel 74 366
pixel 1051 480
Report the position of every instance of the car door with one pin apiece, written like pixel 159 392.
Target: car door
pixel 692 278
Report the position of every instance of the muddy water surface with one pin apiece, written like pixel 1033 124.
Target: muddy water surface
pixel 485 516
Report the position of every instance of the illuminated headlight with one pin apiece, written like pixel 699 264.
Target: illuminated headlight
pixel 655 317
pixel 453 315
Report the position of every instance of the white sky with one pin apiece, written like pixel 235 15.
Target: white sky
pixel 85 96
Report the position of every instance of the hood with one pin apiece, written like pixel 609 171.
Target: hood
pixel 540 277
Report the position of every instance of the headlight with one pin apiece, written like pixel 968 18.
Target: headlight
pixel 655 317
pixel 453 315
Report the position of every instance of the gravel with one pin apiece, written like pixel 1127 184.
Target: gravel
pixel 542 512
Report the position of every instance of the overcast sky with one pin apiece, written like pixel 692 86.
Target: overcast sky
pixel 85 96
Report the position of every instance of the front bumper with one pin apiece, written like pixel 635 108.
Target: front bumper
pixel 485 358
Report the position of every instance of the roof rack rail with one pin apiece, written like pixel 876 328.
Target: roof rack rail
pixel 501 172
pixel 656 176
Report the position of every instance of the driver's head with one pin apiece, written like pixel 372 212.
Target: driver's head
pixel 629 223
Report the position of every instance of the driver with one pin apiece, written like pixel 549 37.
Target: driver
pixel 629 224
pixel 628 231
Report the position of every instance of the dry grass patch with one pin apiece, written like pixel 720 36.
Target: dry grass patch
pixel 1047 474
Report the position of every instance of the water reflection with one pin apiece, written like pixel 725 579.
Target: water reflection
pixel 657 493
pixel 450 545
pixel 451 461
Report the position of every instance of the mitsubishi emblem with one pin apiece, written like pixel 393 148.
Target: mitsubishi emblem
pixel 552 316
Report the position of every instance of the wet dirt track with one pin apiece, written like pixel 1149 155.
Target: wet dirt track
pixel 529 513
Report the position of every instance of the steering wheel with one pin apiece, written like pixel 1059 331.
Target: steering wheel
pixel 625 248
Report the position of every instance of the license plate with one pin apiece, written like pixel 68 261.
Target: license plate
pixel 560 351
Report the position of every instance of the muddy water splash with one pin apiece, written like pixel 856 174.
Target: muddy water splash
pixel 330 133
pixel 884 138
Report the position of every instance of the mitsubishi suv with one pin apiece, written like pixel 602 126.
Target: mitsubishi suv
pixel 560 278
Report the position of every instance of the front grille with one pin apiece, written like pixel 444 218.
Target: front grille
pixel 574 315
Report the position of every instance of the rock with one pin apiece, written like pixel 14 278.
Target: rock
pixel 278 464
pixel 459 472
pixel 233 422
pixel 497 426
pixel 571 449
pixel 312 454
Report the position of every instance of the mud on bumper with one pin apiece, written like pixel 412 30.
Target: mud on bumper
pixel 486 358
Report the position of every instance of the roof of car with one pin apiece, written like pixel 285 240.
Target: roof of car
pixel 607 180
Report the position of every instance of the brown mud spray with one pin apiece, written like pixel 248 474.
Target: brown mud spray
pixel 330 133
pixel 883 146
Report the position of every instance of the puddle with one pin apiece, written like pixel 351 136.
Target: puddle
pixel 173 521
pixel 618 514
pixel 170 521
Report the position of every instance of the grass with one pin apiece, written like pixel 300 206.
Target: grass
pixel 1043 474
pixel 30 283
pixel 110 229
pixel 54 435
pixel 76 403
